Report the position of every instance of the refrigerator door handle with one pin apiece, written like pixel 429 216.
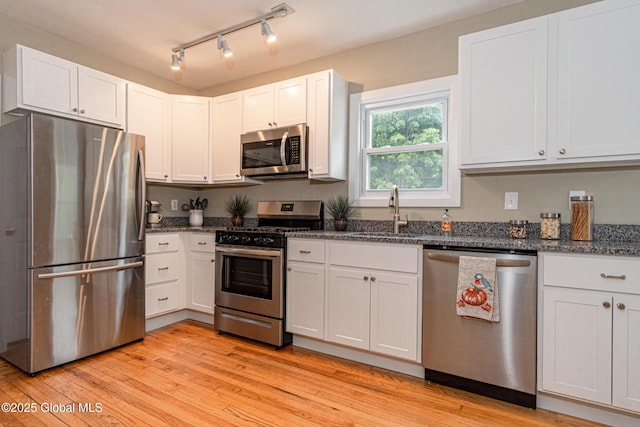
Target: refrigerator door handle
pixel 143 195
pixel 90 270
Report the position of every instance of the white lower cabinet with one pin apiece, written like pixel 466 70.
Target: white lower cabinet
pixel 591 328
pixel 164 274
pixel 200 261
pixel 357 294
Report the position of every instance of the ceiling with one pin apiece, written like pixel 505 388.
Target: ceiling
pixel 142 33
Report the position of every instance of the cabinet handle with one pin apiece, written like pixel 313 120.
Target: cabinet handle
pixel 365 278
pixel 606 304
pixel 373 279
pixel 213 260
pixel 163 244
pixel 205 178
pixel 305 252
pixel 75 109
pixel 166 176
pixel 162 268
pixel 562 151
pixel 202 243
pixel 310 170
pixel 621 306
pixel 612 276
pixel 288 268
pixel 541 152
pixel 9 230
pixel 275 124
pixel 163 299
pixel 270 124
pixel 82 111
pixel 237 175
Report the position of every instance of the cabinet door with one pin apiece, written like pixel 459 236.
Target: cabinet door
pixel 598 88
pixel 348 307
pixel 101 97
pixel 49 83
pixel 504 94
pixel 190 139
pixel 200 281
pixel 305 299
pixel 576 347
pixel 226 127
pixel 626 352
pixel 394 315
pixel 257 108
pixel 149 114
pixel 290 102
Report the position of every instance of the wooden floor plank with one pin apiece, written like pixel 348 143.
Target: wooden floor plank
pixel 188 374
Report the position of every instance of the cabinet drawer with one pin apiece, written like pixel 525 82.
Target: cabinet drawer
pixel 305 250
pixel 157 243
pixel 390 257
pixel 202 242
pixel 162 267
pixel 597 272
pixel 162 298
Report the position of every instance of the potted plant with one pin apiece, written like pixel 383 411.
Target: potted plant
pixel 338 207
pixel 237 206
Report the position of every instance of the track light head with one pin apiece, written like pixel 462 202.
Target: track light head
pixel 177 59
pixel 222 44
pixel 265 30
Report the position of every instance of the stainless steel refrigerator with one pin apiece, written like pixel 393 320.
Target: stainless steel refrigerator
pixel 72 240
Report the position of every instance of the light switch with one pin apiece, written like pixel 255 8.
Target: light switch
pixel 511 201
pixel 174 205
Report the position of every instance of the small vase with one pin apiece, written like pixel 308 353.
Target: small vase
pixel 340 224
pixel 237 221
pixel 195 218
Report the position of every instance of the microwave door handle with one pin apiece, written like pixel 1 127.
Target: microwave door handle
pixel 283 144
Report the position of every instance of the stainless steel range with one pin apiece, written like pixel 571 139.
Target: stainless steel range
pixel 250 270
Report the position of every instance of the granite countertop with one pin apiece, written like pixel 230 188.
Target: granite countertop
pixel 505 243
pixel 177 228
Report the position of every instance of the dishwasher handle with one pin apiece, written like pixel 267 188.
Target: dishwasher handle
pixel 499 262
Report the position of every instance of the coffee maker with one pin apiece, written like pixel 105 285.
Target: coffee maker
pixel 153 213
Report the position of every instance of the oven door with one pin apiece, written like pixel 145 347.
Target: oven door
pixel 250 280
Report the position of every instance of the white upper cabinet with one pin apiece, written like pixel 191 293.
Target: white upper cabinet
pixel 149 114
pixel 190 140
pixel 598 85
pixel 553 92
pixel 275 105
pixel 37 81
pixel 327 115
pixel 504 81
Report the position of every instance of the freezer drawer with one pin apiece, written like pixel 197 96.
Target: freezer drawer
pixel 78 310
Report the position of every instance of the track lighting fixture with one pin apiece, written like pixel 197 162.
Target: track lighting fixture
pixel 279 11
pixel 265 30
pixel 177 59
pixel 222 44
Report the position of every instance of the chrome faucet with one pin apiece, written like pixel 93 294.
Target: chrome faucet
pixel 394 202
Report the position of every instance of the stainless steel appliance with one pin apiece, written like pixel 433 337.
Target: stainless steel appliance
pixel 496 359
pixel 275 152
pixel 72 240
pixel 250 279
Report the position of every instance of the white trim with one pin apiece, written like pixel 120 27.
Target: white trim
pixel 449 196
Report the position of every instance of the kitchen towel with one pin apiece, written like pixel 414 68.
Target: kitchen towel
pixel 477 293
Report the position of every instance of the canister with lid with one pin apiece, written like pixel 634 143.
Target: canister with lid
pixel 582 218
pixel 550 225
pixel 518 229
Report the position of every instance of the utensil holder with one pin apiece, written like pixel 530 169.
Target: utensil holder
pixel 195 218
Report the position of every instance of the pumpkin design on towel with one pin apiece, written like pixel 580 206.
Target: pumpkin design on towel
pixel 476 295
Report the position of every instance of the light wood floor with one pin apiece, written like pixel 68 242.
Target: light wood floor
pixel 187 374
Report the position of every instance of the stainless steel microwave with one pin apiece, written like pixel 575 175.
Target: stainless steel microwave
pixel 272 152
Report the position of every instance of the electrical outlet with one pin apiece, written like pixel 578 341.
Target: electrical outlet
pixel 174 205
pixel 575 193
pixel 511 201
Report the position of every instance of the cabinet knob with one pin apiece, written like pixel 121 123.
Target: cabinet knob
pixel 205 178
pixel 82 111
pixel 166 176
pixel 270 124
pixel 213 260
pixel 365 278
pixel 75 109
pixel 288 268
pixel 541 152
pixel 606 304
pixel 373 279
pixel 562 151
pixel 237 175
pixel 621 306
pixel 310 170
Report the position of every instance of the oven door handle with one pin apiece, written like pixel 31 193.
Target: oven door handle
pixel 250 252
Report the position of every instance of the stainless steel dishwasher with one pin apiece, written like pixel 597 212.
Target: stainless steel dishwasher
pixel 495 359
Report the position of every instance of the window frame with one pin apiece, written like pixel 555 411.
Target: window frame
pixel 444 89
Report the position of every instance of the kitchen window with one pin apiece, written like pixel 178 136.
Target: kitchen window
pixel 405 136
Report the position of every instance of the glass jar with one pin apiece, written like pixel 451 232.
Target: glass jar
pixel 518 229
pixel 550 226
pixel 582 218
